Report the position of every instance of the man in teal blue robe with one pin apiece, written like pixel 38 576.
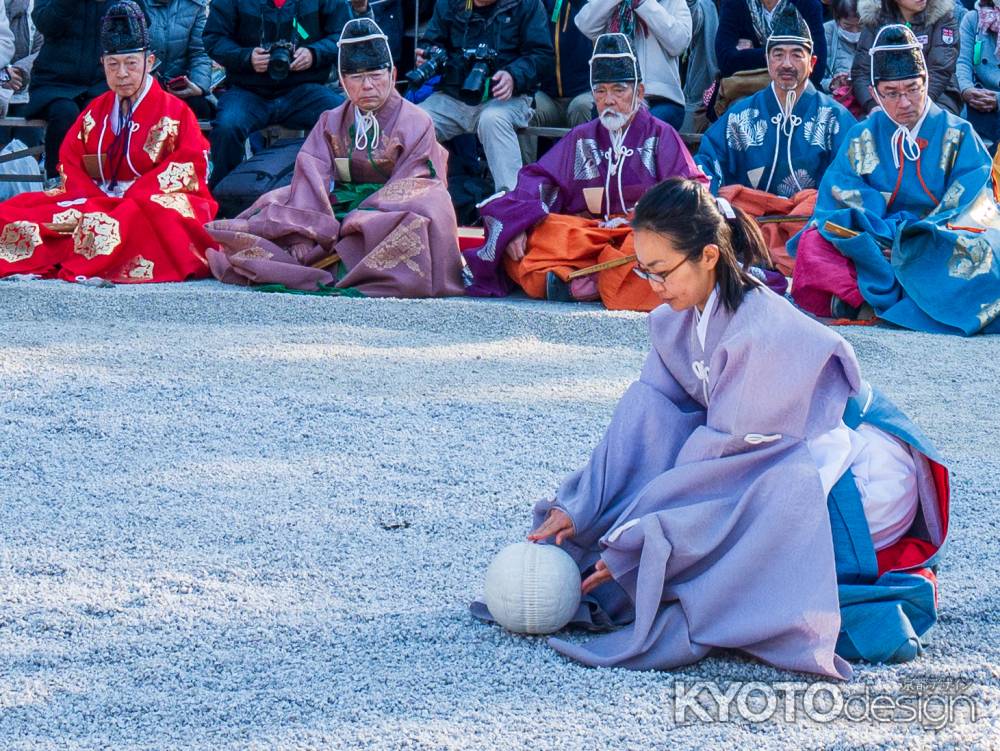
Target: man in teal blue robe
pixel 906 218
pixel 780 140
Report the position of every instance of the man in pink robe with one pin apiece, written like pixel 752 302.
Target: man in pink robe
pixel 368 186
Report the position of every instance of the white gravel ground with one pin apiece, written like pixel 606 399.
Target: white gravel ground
pixel 233 520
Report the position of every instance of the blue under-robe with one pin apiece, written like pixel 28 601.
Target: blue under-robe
pixel 885 618
pixel 748 147
pixel 924 256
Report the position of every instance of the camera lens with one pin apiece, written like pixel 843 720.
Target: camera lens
pixel 281 61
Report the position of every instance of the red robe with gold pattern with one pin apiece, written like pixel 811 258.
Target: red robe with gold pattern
pixel 147 227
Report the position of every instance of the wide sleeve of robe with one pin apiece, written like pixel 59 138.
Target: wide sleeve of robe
pixel 305 217
pixel 542 188
pixel 721 536
pixel 714 156
pixel 182 176
pixel 287 229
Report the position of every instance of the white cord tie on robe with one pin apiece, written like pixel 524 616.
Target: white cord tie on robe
pixel 701 373
pixel 755 439
pixel 904 138
pixel 616 156
pixel 363 124
pixel 787 123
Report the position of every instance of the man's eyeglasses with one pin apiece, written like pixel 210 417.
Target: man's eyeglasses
pixel 650 276
pixel 912 93
pixel 360 79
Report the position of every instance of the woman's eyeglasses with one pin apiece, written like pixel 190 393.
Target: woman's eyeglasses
pixel 650 276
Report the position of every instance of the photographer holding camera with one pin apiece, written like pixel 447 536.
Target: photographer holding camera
pixel 492 53
pixel 278 55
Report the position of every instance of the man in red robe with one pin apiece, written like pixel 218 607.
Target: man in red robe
pixel 134 197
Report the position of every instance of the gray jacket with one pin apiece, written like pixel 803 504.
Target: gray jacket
pixel 27 42
pixel 839 54
pixel 702 67
pixel 987 73
pixel 176 27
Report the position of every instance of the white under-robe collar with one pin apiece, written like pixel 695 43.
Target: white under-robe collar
pixel 702 318
pixel 116 107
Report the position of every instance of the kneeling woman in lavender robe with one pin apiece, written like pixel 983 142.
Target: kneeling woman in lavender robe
pixel 752 492
pixel 368 186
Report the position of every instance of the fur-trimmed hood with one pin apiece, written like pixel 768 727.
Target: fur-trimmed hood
pixel 870 12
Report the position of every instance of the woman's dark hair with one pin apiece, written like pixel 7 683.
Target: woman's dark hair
pixel 844 8
pixel 685 212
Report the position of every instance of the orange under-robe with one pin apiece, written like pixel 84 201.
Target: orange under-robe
pixel 562 244
pixel 153 231
pixel 761 205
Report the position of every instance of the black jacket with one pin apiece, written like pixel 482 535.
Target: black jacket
pixel 69 63
pixel 571 74
pixel 517 29
pixel 235 27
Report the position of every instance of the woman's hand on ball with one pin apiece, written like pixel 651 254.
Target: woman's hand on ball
pixel 556 523
pixel 601 575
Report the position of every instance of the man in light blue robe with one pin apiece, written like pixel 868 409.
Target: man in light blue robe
pixel 907 218
pixel 778 142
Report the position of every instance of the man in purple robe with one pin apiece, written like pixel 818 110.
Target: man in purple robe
pixel 569 209
pixel 368 207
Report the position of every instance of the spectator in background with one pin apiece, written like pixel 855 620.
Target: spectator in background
pixel 278 55
pixel 978 69
pixel 934 24
pixel 661 32
pixel 27 42
pixel 745 25
pixel 185 69
pixel 842 35
pixel 702 67
pixel 516 34
pixel 564 99
pixel 67 73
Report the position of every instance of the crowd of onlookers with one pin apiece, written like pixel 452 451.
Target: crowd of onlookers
pixel 482 67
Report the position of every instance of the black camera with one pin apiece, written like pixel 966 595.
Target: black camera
pixel 434 60
pixel 277 38
pixel 480 61
pixel 281 53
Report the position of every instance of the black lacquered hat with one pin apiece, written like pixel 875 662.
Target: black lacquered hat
pixel 124 29
pixel 363 47
pixel 788 27
pixel 613 60
pixel 897 55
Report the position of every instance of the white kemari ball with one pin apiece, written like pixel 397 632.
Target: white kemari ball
pixel 532 589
